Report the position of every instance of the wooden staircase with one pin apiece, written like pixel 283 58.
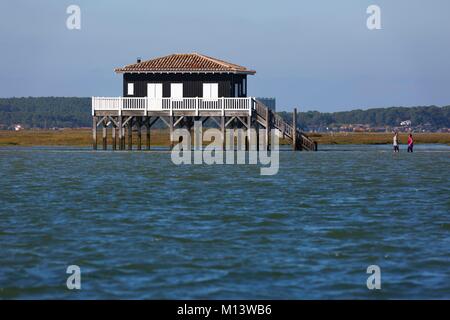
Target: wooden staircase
pixel 300 141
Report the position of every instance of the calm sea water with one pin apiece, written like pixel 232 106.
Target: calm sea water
pixel 140 227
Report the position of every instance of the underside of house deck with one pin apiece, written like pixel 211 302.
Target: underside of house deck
pixel 122 116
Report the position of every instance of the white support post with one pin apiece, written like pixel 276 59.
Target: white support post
pixel 196 106
pixel 223 106
pixel 171 111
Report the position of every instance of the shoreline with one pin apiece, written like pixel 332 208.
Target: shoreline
pixel 160 137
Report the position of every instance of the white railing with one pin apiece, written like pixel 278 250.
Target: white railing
pixel 171 104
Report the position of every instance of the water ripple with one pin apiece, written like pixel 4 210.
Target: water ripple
pixel 140 227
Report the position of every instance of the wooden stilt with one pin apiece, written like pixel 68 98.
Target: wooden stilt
pixel 139 129
pixel 294 128
pixel 171 131
pixel 257 135
pixel 124 134
pixel 267 130
pixel 248 140
pixel 123 137
pixel 222 129
pixel 130 134
pixel 147 126
pixel 113 137
pixel 120 133
pixel 104 135
pixel 94 133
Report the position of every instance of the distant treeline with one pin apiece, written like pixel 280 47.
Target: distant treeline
pixel 433 116
pixel 48 112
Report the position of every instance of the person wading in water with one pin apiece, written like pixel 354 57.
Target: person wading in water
pixel 395 142
pixel 410 143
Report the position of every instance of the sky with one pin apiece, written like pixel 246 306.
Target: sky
pixel 313 55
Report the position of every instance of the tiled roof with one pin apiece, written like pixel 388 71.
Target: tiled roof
pixel 185 62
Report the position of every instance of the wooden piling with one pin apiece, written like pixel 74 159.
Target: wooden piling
pixel 248 140
pixel 113 137
pixel 120 120
pixel 123 137
pixel 222 129
pixel 130 134
pixel 139 137
pixel 294 129
pixel 147 127
pixel 257 135
pixel 104 135
pixel 267 130
pixel 171 131
pixel 94 133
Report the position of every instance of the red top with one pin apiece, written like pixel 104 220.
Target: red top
pixel 410 140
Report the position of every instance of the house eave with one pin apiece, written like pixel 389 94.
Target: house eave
pixel 122 71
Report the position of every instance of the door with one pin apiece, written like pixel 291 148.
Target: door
pixel 176 91
pixel 210 91
pixel 154 94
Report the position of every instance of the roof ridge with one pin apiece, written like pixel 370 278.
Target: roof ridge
pixel 185 61
pixel 152 59
pixel 221 62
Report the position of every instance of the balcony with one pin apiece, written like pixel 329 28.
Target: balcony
pixel 146 105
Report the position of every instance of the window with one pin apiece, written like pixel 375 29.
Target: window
pixel 210 91
pixel 244 86
pixel 130 89
pixel 176 91
pixel 236 89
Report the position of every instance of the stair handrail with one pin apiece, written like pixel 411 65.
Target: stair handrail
pixel 285 128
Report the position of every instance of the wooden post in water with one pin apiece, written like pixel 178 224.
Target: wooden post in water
pixel 147 127
pixel 294 129
pixel 222 129
pixel 257 128
pixel 139 129
pixel 267 132
pixel 247 135
pixel 120 120
pixel 130 134
pixel 104 135
pixel 94 132
pixel 113 136
pixel 171 131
